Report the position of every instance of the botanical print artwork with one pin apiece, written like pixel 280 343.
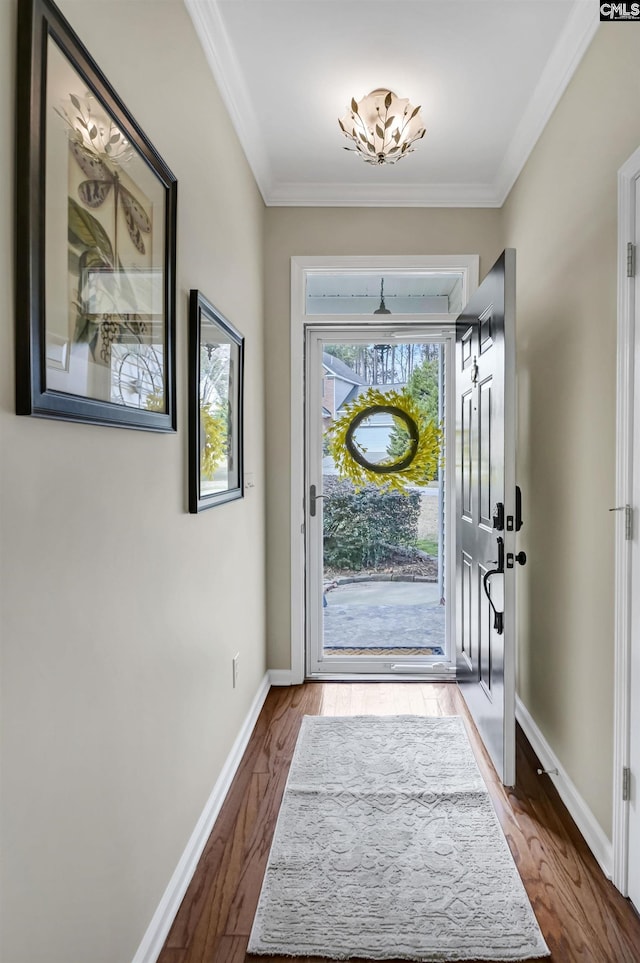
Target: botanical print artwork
pixel 95 242
pixel 114 278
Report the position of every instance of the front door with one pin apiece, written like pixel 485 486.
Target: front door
pixel 488 513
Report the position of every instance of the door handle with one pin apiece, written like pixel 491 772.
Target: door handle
pixel 499 562
pixel 520 558
pixel 498 617
pixel 313 498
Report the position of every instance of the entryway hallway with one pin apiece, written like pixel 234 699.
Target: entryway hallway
pixel 584 919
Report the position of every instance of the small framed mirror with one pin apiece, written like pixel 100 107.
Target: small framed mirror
pixel 216 365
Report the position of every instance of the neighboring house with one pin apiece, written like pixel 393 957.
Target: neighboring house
pixel 340 386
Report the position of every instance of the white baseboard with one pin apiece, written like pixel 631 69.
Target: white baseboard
pixel 158 929
pixel 281 677
pixel 582 816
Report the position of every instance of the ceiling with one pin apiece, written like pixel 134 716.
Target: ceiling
pixel 488 74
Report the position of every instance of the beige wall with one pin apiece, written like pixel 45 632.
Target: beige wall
pixel 562 218
pixel 120 611
pixel 335 231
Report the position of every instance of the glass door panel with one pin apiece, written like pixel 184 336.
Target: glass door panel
pixel 381 565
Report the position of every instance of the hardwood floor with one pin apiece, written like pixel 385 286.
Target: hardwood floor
pixel 582 916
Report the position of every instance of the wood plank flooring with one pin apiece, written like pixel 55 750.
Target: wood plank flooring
pixel 582 916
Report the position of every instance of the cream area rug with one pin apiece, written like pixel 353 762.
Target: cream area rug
pixel 387 846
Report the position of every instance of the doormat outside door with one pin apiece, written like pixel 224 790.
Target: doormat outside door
pixel 387 846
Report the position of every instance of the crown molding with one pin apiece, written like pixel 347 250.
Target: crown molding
pixel 572 44
pixel 212 33
pixel 392 195
pixel 570 47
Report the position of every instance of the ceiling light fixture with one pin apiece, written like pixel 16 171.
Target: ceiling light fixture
pixel 383 309
pixel 383 127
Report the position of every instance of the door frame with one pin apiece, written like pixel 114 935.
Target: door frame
pixel 626 489
pixel 302 267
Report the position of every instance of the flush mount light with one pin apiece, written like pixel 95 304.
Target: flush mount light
pixel 383 127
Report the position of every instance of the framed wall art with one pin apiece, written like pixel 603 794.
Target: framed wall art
pixel 96 238
pixel 216 369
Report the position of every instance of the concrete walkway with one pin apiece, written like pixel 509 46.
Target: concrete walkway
pixel 384 615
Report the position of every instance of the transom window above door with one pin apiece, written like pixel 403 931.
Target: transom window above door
pixel 383 294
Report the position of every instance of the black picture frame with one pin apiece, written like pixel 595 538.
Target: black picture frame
pixel 95 242
pixel 216 399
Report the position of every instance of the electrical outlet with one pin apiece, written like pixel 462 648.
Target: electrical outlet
pixel 235 669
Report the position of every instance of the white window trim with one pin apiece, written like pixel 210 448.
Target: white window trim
pixel 301 267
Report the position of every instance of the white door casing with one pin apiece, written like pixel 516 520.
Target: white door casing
pixel 634 681
pixel 301 267
pixel 486 561
pixel 626 755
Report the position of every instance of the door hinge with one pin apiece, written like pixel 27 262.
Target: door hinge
pixel 631 260
pixel 628 520
pixel 626 784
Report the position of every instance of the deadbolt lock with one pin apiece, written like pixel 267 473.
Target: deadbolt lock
pixel 498 517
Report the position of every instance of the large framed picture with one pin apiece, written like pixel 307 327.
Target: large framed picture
pixel 216 370
pixel 96 236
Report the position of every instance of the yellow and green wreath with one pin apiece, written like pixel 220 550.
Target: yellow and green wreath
pixel 417 465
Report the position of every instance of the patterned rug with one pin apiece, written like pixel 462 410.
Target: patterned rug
pixel 387 846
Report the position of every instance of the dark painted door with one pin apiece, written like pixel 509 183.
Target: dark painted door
pixel 486 519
